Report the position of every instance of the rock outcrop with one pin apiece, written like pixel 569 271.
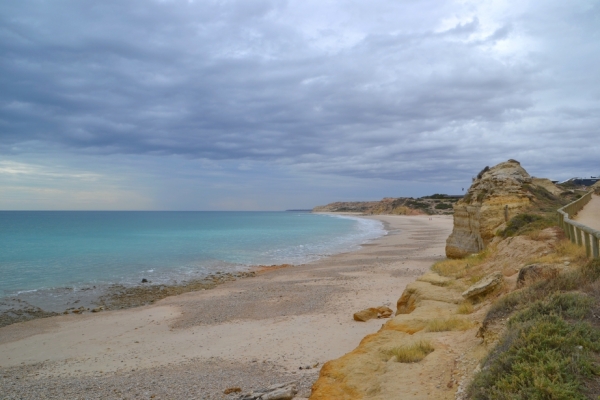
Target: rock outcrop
pixel 484 286
pixel 535 272
pixel 496 195
pixel 416 292
pixel 373 312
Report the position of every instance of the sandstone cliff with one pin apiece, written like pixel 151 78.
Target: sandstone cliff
pixel 496 195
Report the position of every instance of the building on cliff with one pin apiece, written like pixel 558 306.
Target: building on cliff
pixel 583 181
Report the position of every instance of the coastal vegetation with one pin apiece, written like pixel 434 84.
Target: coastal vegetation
pixel 524 223
pixel 411 353
pixel 448 324
pixel 461 267
pixel 551 347
pixel 466 307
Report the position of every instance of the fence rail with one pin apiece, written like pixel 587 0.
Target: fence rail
pixel 578 233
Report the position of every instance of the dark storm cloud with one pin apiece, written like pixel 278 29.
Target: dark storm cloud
pixel 391 90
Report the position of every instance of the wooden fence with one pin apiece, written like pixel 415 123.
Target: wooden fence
pixel 576 232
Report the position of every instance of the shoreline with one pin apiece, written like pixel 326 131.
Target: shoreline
pixel 28 305
pixel 260 330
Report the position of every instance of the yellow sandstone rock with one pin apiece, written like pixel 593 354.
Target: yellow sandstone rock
pixel 366 314
pixel 496 195
pixel 370 313
pixel 418 291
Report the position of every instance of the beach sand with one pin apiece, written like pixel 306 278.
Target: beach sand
pixel 247 333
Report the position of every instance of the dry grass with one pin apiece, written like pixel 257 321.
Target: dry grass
pixel 565 251
pixel 450 267
pixel 411 353
pixel 539 235
pixel 450 324
pixel 473 279
pixel 459 268
pixel 465 308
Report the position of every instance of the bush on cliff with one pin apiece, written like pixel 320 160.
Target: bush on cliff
pixel 551 349
pixel 524 223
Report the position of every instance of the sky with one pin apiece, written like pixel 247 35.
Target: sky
pixel 275 104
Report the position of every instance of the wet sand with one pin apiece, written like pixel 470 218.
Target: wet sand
pixel 248 333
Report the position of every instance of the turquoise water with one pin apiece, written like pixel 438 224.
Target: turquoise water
pixel 44 250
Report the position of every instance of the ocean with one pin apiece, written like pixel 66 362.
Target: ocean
pixel 44 254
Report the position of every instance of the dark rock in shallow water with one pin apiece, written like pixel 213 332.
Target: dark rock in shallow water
pixel 144 280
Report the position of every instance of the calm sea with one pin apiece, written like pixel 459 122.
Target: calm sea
pixel 47 250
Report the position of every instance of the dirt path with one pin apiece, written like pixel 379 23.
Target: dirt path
pixel 590 215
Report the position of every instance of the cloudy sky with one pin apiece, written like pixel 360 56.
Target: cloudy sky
pixel 275 104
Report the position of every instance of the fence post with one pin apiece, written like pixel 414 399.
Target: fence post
pixel 588 247
pixel 577 235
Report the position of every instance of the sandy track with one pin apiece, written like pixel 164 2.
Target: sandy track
pixel 590 215
pixel 280 320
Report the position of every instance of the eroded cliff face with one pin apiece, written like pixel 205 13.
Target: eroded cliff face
pixel 496 195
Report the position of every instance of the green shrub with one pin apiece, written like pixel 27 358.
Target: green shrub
pixel 417 204
pixel 580 279
pixel 523 223
pixel 544 354
pixel 551 348
pixel 545 358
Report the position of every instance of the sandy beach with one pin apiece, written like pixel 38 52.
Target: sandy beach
pixel 247 333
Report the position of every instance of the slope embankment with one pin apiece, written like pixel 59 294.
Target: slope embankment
pixel 436 311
